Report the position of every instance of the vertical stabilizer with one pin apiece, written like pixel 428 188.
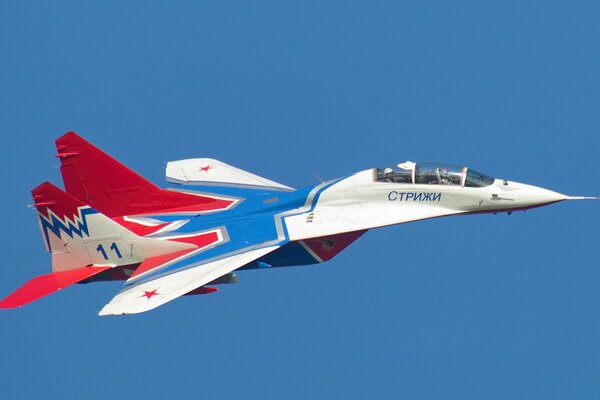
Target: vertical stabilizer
pixel 78 235
pixel 97 179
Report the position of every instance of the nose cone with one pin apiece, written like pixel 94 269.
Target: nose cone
pixel 537 195
pixel 519 195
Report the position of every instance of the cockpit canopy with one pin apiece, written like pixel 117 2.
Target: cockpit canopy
pixel 432 174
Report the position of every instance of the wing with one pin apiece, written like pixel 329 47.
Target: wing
pixel 182 276
pixel 210 172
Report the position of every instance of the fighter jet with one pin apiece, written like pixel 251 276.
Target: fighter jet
pixel 112 224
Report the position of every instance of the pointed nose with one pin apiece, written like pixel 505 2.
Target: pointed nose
pixel 525 196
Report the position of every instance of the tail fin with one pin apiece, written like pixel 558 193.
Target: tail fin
pixel 99 180
pixel 78 235
pixel 83 243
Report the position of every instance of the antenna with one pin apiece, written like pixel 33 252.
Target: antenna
pixel 318 178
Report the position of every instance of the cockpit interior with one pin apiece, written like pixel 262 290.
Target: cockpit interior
pixel 432 174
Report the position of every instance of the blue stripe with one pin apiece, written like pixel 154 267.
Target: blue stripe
pixel 56 225
pixel 252 223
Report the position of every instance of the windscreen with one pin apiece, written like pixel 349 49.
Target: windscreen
pixel 477 179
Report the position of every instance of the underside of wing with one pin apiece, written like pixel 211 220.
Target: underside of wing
pixel 167 286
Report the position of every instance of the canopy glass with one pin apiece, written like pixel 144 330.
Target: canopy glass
pixel 432 174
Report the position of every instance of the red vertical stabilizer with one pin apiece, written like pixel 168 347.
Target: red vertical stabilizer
pixel 48 197
pixel 110 187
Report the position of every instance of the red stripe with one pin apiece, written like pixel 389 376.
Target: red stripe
pixel 328 247
pixel 201 241
pixel 151 263
pixel 140 229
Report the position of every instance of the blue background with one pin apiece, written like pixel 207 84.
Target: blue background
pixel 473 307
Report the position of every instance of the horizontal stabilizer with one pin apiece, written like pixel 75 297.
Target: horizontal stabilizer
pixel 210 172
pixel 44 285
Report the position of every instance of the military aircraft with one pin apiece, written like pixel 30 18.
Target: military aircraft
pixel 112 224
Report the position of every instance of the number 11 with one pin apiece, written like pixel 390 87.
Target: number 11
pixel 113 247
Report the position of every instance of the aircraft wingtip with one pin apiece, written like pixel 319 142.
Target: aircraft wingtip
pixel 106 311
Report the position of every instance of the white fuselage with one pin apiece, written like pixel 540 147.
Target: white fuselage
pixel 360 202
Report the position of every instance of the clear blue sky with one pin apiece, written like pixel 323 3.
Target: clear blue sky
pixel 475 307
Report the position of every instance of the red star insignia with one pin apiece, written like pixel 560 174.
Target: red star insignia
pixel 204 169
pixel 149 294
